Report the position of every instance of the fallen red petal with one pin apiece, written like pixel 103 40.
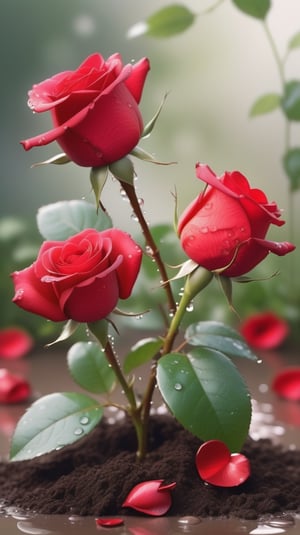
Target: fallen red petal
pixel 14 343
pixel 216 465
pixel 13 388
pixel 287 383
pixel 150 497
pixel 265 330
pixel 109 522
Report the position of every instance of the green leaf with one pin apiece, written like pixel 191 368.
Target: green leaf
pixel 265 104
pixel 255 8
pixel 89 367
pixel 52 422
pixel 60 220
pixel 207 395
pixel 291 100
pixel 291 164
pixel 294 41
pixel 143 351
pixel 218 336
pixel 166 22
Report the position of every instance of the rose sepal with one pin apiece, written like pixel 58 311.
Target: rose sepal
pixel 98 177
pixel 123 170
pixel 150 125
pixel 58 159
pixel 142 154
pixel 67 331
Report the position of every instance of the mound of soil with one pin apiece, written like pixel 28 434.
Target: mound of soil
pixel 94 475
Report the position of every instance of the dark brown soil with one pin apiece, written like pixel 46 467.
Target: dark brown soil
pixel 93 476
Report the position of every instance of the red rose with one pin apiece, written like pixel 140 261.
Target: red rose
pixel 225 227
pixel 81 278
pixel 94 109
pixel 265 330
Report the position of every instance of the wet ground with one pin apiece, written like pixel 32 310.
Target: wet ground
pixel 272 417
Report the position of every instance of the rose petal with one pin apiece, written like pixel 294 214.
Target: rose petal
pixel 13 388
pixel 150 497
pixel 216 465
pixel 109 522
pixel 287 383
pixel 14 343
pixel 265 330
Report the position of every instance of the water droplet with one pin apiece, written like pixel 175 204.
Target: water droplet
pixel 19 294
pixel 124 195
pixel 189 520
pixel 283 520
pixel 178 386
pixel 141 201
pixel 264 529
pixel 84 420
pixel 78 431
pixel 134 217
pixel 204 230
pixel 190 307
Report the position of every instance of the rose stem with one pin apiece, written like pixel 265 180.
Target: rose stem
pixel 133 410
pixel 131 194
pixel 195 282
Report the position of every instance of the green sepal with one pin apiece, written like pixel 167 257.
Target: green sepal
pixel 140 153
pixel 100 331
pixel 52 422
pixel 123 170
pixel 59 159
pixel 68 329
pixel 150 125
pixel 98 177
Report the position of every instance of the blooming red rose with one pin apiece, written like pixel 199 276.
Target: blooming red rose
pixel 225 227
pixel 265 330
pixel 80 278
pixel 94 109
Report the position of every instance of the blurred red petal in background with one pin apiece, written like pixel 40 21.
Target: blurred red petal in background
pixel 287 383
pixel 265 330
pixel 13 388
pixel 14 343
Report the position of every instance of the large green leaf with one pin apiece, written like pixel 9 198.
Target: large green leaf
pixel 169 20
pixel 255 8
pixel 217 335
pixel 207 395
pixel 143 351
pixel 52 422
pixel 60 220
pixel 89 367
pixel 291 100
pixel 265 104
pixel 291 164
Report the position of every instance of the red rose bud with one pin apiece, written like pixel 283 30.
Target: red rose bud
pixel 14 343
pixel 13 388
pixel 224 228
pixel 95 113
pixel 264 330
pixel 80 278
pixel 150 497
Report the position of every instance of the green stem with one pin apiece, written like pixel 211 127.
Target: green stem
pixel 131 194
pixel 196 281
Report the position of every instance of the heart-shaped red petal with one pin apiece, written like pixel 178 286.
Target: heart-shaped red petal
pixel 287 383
pixel 216 465
pixel 109 522
pixel 150 497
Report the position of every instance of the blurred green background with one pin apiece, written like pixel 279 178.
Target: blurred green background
pixel 213 72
